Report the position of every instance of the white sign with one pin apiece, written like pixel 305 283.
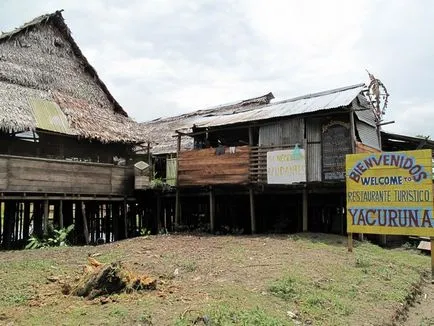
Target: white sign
pixel 286 166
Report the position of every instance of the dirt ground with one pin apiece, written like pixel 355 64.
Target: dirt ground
pixel 422 313
pixel 220 276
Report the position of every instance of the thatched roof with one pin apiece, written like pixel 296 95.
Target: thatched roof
pixel 41 61
pixel 163 130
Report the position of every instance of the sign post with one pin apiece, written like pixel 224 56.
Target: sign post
pixel 390 193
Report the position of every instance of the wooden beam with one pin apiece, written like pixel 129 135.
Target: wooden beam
pixel 63 197
pixel 350 242
pixel 85 228
pixel 212 210
pixel 252 211
pixel 45 220
pixel 305 210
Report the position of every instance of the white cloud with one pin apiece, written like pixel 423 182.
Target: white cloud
pixel 165 57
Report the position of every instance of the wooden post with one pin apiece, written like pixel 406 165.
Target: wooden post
pixel 26 220
pixel 353 147
pixel 115 221
pixel 85 228
pixel 158 213
pixel 108 223
pixel 46 212
pixel 432 260
pixel 1 218
pixel 177 210
pixel 212 210
pixel 61 214
pixel 305 210
pixel 252 211
pixel 177 202
pixel 37 218
pixel 350 242
pixel 125 211
pixel 8 224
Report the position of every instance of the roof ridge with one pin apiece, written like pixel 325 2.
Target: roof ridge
pixel 311 95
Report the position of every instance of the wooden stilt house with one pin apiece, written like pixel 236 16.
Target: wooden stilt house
pixel 274 167
pixel 65 142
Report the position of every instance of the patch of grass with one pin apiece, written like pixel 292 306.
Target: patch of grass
pixel 188 266
pixel 16 289
pixel 118 312
pixel 285 288
pixel 223 315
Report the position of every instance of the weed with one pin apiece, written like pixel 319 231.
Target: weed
pixel 285 288
pixel 56 238
pixel 223 315
pixel 188 266
pixel 118 312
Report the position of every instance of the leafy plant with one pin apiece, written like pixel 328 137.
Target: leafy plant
pixel 144 232
pixel 57 238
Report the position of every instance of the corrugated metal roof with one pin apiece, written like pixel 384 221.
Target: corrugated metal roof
pixel 49 116
pixel 364 111
pixel 305 104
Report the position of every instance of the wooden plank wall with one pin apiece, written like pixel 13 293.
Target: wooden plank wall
pixel 19 174
pixel 203 167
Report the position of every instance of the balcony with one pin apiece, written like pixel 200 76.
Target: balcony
pixel 38 175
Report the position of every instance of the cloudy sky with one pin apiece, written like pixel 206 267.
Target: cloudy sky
pixel 165 57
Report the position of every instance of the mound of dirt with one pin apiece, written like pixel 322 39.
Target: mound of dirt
pixel 105 279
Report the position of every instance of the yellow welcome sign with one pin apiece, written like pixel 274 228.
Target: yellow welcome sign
pixel 390 193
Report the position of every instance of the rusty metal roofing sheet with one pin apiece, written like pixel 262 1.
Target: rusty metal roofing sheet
pixel 300 105
pixel 49 116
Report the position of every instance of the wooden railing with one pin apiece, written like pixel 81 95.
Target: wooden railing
pixel 37 175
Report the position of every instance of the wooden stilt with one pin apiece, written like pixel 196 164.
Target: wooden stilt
pixel 2 209
pixel 7 225
pixel 45 218
pixel 17 217
pixel 212 210
pixel 85 227
pixel 115 219
pixel 252 211
pixel 26 226
pixel 108 222
pixel 61 214
pixel 158 214
pixel 305 210
pixel 177 209
pixel 37 218
pixel 125 213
